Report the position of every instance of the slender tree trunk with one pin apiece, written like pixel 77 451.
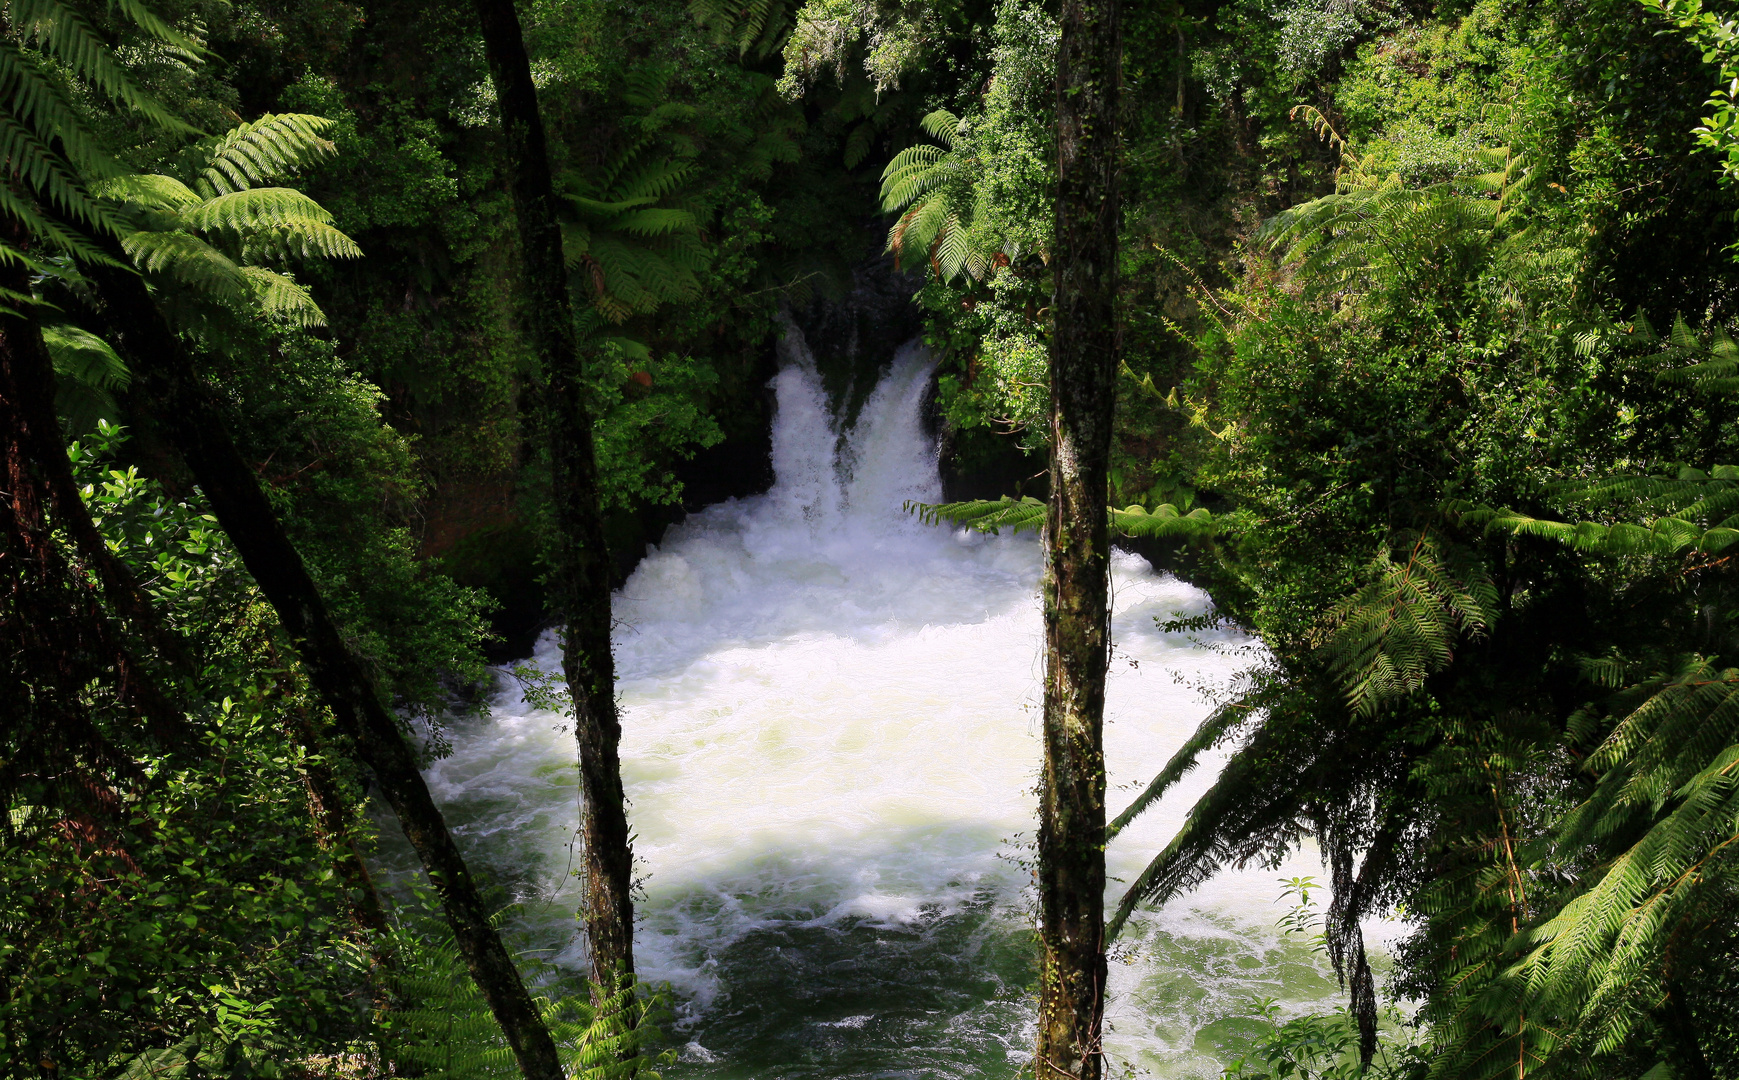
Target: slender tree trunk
pixel 1680 1026
pixel 1084 346
pixel 582 566
pixel 39 482
pixel 58 636
pixel 180 406
pixel 31 385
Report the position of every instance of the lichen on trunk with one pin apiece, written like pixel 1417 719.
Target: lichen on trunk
pixel 1084 344
pixel 581 564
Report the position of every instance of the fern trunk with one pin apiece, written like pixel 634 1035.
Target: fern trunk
pixel 180 407
pixel 1084 345
pixel 581 562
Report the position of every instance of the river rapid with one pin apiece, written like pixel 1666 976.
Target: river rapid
pixel 831 747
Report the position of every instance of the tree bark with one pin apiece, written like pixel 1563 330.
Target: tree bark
pixel 39 483
pixel 37 428
pixel 1680 1027
pixel 581 563
pixel 1084 347
pixel 178 403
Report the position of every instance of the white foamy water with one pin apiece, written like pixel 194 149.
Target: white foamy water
pixel 830 744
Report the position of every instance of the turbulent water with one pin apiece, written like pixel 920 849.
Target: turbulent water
pixel 830 744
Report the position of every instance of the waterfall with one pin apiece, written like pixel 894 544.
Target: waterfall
pixel 830 746
pixel 853 481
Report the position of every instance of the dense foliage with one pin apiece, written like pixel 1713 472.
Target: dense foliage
pixel 1429 381
pixel 1411 292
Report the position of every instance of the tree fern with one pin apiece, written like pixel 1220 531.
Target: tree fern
pixel 1254 810
pixel 210 232
pixel 275 146
pixel 931 189
pixel 1651 844
pixel 51 55
pixel 1377 235
pixel 1221 724
pixel 1661 824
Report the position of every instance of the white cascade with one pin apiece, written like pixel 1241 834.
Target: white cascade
pixel 830 748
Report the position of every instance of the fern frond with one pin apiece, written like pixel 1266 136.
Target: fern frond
pixel 1383 640
pixel 1684 529
pixel 1163 520
pixel 1253 806
pixel 1028 514
pixel 1025 514
pixel 912 174
pixel 444 1029
pixel 58 180
pixel 189 260
pixel 658 179
pixel 53 234
pixel 757 26
pixel 145 18
pixel 1673 763
pixel 1319 124
pixel 281 297
pixel 88 372
pixel 633 253
pixel 303 239
pixel 239 212
pixel 657 221
pixel 1220 725
pixel 858 144
pixel 943 126
pixel 62 32
pixel 150 191
pixel 1718 373
pixel 270 148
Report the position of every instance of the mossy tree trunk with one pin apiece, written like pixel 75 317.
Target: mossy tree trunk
pixel 1084 346
pixel 581 562
pixel 170 393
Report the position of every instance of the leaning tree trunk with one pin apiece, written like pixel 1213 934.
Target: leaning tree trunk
pixel 582 567
pixel 1084 345
pixel 178 404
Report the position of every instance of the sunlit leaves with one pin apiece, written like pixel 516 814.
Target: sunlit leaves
pixel 1402 623
pixel 211 236
pixel 1027 514
pixel 931 188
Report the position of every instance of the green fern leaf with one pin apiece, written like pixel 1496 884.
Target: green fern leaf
pixel 270 148
pixel 1384 639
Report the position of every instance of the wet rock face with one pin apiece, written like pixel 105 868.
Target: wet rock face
pixel 853 336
